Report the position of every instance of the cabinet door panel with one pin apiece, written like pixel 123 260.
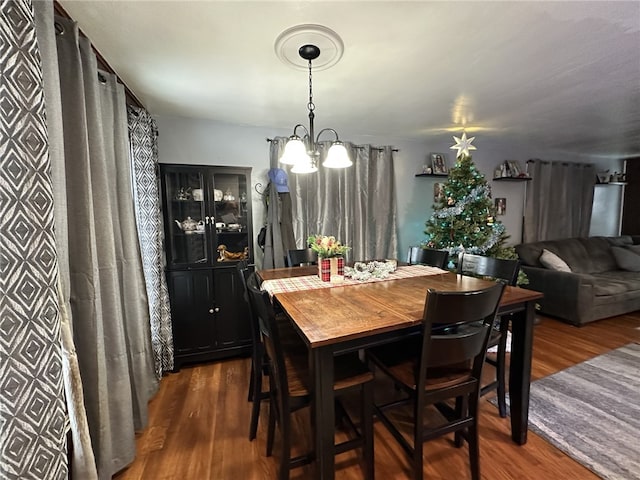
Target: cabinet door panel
pixel 187 222
pixel 192 311
pixel 231 207
pixel 232 317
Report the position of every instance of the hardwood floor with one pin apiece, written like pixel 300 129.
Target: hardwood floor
pixel 199 420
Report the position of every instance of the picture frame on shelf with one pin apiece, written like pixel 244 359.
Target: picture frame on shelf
pixel 439 164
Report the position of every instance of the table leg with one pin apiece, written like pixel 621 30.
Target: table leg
pixel 520 372
pixel 323 412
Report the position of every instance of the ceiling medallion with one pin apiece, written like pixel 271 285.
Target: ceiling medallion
pixel 288 43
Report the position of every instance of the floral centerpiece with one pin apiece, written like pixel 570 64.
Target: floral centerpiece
pixel 330 257
pixel 326 246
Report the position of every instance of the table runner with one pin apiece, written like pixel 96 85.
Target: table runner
pixel 311 282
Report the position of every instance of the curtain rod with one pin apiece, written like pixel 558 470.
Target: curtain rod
pixel 102 63
pixel 355 146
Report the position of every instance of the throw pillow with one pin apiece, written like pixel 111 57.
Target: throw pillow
pixel 553 261
pixel 626 258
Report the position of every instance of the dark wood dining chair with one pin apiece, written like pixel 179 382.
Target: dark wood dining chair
pixel 505 270
pixel 259 362
pixel 427 256
pixel 304 256
pixel 289 378
pixel 434 369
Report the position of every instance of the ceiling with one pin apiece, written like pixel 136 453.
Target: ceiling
pixel 562 74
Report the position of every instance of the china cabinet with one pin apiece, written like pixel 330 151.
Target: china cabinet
pixel 207 221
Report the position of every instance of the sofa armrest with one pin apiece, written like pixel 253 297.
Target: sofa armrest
pixel 566 295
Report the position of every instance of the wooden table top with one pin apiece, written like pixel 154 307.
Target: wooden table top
pixel 332 315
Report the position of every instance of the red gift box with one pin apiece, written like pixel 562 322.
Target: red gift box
pixel 331 269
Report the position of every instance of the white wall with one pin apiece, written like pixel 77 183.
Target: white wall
pixel 195 141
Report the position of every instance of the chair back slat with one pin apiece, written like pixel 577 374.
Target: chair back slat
pixel 457 347
pixel 469 317
pixel 305 256
pixel 427 256
pixel 496 268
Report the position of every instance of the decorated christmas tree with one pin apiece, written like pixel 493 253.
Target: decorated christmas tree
pixel 464 215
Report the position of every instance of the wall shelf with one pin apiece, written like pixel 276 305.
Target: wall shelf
pixel 611 183
pixel 511 179
pixel 441 175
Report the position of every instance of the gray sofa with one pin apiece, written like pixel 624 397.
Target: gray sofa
pixel 595 288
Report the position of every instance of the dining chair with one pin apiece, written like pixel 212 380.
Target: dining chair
pixel 505 270
pixel 289 389
pixel 304 256
pixel 441 365
pixel 427 256
pixel 259 362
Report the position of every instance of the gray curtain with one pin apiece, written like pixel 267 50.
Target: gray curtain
pixel 279 236
pixel 143 134
pixel 109 309
pixel 558 200
pixel 357 204
pixel 33 418
pixel 82 461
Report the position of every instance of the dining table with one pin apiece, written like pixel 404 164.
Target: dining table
pixel 337 318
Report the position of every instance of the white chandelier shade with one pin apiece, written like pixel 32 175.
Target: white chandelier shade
pixel 295 152
pixel 337 157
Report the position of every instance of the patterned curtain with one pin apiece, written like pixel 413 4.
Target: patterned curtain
pixel 357 204
pixel 143 135
pixel 33 420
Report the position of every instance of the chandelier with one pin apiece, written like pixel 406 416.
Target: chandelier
pixel 304 152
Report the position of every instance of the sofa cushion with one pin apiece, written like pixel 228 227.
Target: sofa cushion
pixel 553 261
pixel 626 258
pixel 613 283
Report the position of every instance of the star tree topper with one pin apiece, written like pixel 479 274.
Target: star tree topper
pixel 463 145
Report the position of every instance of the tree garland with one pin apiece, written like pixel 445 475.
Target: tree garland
pixel 475 194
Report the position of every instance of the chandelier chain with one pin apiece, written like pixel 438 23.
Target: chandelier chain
pixel 303 152
pixel 310 105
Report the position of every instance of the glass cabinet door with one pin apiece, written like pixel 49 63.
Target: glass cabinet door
pixel 187 226
pixel 231 215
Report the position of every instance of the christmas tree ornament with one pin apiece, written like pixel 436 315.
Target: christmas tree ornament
pixel 463 145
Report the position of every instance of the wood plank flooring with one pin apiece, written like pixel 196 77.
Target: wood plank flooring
pixel 198 424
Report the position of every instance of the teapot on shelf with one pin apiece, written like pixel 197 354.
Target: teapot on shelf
pixel 189 225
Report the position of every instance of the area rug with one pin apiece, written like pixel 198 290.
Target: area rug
pixel 591 411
